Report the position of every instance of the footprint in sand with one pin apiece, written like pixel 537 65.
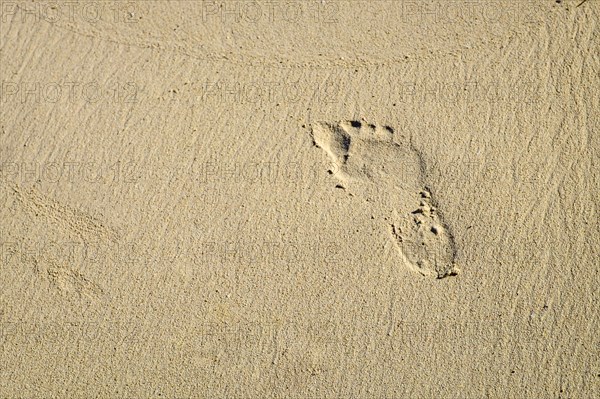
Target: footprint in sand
pixel 376 164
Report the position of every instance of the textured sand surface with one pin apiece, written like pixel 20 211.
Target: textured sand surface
pixel 299 199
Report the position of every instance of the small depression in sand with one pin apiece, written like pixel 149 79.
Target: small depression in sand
pixel 387 171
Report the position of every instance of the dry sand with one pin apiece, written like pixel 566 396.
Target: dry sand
pixel 299 199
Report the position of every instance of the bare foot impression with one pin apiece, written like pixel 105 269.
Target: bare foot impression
pixel 386 170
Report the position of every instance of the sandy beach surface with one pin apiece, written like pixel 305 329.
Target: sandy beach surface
pixel 299 199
